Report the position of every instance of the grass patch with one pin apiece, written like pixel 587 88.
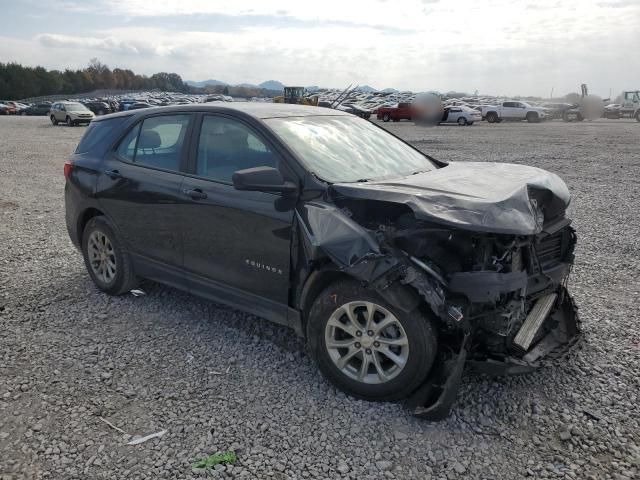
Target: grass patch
pixel 217 459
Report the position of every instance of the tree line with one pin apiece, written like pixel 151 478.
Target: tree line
pixel 18 81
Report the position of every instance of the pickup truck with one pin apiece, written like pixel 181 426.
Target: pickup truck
pixel 513 111
pixel 403 111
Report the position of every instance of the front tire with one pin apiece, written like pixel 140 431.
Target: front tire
pixel 54 121
pixel 69 122
pixel 492 117
pixel 533 117
pixel 638 117
pixel 106 258
pixel 367 347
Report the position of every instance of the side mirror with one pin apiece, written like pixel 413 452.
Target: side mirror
pixel 262 179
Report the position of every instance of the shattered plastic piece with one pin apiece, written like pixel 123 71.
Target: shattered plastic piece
pixel 137 441
pixel 340 237
pixel 136 292
pixel 112 425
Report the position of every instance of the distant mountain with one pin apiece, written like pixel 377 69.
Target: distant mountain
pixel 204 83
pixel 313 88
pixel 246 85
pixel 389 90
pixel 272 85
pixel 367 89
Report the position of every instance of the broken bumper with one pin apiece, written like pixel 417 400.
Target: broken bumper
pixel 434 399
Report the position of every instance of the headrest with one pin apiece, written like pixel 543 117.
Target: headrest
pixel 149 139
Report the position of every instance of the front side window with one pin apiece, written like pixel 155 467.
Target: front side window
pixel 156 142
pixel 226 146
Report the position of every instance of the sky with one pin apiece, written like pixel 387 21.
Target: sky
pixel 501 47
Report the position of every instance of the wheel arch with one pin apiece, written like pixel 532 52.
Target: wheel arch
pixel 403 297
pixel 315 283
pixel 84 218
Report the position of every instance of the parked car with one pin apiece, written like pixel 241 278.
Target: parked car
pixel 397 268
pixel 555 111
pixel 71 113
pixel 98 108
pixel 612 111
pixel 513 111
pixel 37 109
pixel 8 107
pixel 403 111
pixel 138 106
pixel 461 115
pixel 356 110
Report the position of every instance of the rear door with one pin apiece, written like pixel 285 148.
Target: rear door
pixel 140 190
pixel 236 243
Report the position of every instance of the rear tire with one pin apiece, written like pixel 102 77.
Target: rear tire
pixel 381 377
pixel 106 258
pixel 462 121
pixel 386 117
pixel 638 116
pixel 53 120
pixel 492 117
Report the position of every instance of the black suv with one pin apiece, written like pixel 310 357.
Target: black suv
pixel 398 269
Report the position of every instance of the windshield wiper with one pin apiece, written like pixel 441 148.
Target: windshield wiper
pixel 419 171
pixel 362 180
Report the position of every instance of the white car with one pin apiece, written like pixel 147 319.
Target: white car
pixel 461 115
pixel 513 110
pixel 71 113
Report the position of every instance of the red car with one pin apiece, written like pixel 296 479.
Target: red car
pixel 403 111
pixel 8 108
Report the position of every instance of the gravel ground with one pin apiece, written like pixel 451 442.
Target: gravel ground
pixel 218 380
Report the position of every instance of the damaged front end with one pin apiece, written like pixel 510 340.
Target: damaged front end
pixel 499 299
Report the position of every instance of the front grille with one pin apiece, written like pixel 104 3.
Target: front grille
pixel 549 250
pixel 553 249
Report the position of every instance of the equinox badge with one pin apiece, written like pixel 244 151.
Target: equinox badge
pixel 262 266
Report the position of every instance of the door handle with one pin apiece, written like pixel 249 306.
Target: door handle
pixel 195 193
pixel 113 174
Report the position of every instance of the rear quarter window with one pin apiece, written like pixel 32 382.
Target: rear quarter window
pixel 97 132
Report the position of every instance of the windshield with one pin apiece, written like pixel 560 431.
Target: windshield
pixel 347 148
pixel 74 107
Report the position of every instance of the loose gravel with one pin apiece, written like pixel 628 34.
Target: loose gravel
pixel 72 358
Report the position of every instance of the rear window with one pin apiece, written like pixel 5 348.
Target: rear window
pixel 96 132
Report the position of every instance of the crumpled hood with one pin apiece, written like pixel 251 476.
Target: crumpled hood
pixel 489 197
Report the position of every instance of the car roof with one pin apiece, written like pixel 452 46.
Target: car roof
pixel 259 110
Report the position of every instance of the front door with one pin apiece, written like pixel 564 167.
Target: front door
pixel 236 243
pixel 140 190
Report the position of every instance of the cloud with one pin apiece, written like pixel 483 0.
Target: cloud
pixel 500 46
pixel 106 44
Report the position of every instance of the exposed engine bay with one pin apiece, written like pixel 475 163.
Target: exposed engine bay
pixel 500 299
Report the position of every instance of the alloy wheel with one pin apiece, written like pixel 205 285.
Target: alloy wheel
pixel 102 257
pixel 366 342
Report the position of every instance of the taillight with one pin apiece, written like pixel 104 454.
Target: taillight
pixel 68 168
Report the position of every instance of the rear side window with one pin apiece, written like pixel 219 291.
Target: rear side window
pixel 96 132
pixel 156 142
pixel 127 147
